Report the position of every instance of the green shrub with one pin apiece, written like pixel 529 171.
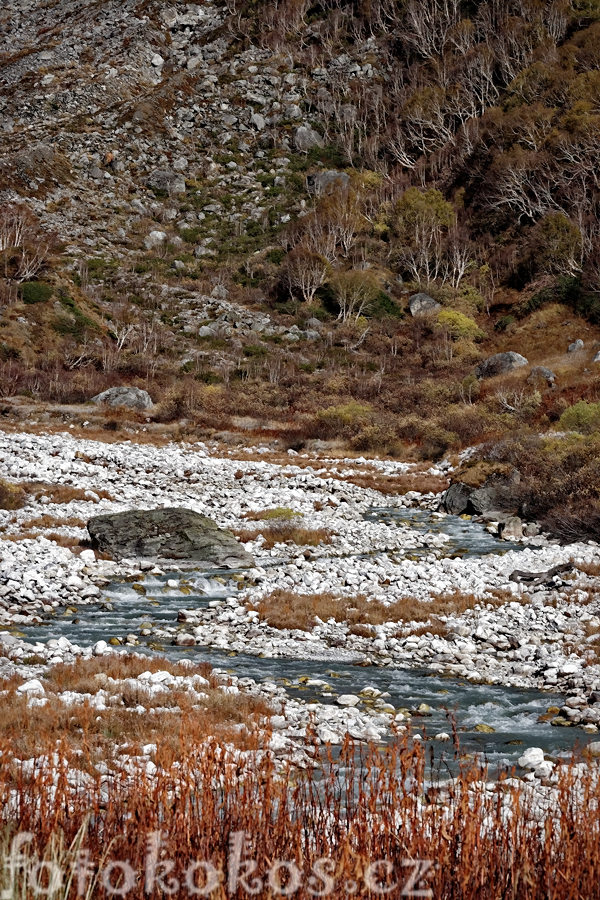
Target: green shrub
pixel 383 306
pixel 279 512
pixel 583 417
pixel 255 351
pixel 458 325
pixel 36 292
pixel 503 323
pixel 344 420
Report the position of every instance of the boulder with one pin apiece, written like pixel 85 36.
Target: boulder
pixel 170 533
pixel 532 758
pixel 493 495
pixel 167 181
pixel 541 373
pixel 596 358
pixel 130 397
pixel 512 529
pixel 576 346
pixel 456 498
pixel 306 138
pixel 258 121
pixel 155 239
pixel 321 182
pixel 500 364
pixel 422 304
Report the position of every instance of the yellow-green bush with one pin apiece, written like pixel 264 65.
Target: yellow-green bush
pixel 583 417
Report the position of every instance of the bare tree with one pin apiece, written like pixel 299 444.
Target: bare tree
pixel 306 271
pixel 22 243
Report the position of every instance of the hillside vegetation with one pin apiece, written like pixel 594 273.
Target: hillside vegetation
pixel 230 206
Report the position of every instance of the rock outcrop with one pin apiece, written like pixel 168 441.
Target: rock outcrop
pixel 130 397
pixel 500 364
pixel 163 534
pixel 422 304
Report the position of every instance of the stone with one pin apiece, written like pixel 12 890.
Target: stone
pixel 532 758
pixel 130 397
pixel 157 61
pixel 482 728
pixel 323 182
pixel 32 688
pixel 576 346
pixel 593 749
pixel 500 364
pixel 100 648
pixel 328 736
pixel 258 121
pixel 155 239
pixel 306 138
pixel 422 304
pixel 166 181
pixel 596 358
pixel 170 533
pixel 541 373
pixel 456 499
pixel 348 700
pixel 512 529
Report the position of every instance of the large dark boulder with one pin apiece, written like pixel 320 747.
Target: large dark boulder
pixel 497 491
pixel 163 534
pixel 500 364
pixel 456 498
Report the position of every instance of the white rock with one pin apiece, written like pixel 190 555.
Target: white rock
pixel 348 700
pixel 33 688
pixel 532 758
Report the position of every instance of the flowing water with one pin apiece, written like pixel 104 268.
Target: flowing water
pixel 513 713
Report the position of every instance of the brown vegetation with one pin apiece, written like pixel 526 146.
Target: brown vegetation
pixel 286 532
pixel 81 727
pixel 286 609
pixel 459 843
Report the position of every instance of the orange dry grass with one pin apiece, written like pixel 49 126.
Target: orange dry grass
pixel 400 484
pixel 286 609
pixel 286 532
pixel 60 493
pixel 84 729
pixel 475 844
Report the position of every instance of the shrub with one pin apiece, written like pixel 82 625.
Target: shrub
pixel 458 325
pixel 279 512
pixel 36 292
pixel 12 496
pixel 344 420
pixel 583 417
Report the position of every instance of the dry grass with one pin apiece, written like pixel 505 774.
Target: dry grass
pixel 61 493
pixel 48 521
pixel 398 485
pixel 286 609
pixel 83 729
pixel 479 845
pixel 591 569
pixel 286 532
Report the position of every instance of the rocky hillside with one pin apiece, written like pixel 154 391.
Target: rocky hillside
pixel 308 222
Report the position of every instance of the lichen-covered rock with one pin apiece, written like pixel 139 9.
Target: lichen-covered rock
pixel 500 364
pixel 172 533
pixel 422 304
pixel 306 138
pixel 130 397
